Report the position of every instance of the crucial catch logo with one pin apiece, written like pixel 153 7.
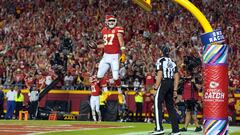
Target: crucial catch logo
pixel 214 93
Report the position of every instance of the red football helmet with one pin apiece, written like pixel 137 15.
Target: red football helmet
pixel 110 21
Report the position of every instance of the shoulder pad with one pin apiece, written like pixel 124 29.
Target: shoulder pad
pixel 103 29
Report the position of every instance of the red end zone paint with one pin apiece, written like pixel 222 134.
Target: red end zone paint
pixel 215 92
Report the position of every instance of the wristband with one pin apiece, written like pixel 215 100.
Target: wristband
pixel 123 48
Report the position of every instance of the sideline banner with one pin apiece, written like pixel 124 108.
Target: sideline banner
pixel 215 95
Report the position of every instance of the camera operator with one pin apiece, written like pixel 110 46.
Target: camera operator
pixel 190 94
pixel 66 44
pixel 58 63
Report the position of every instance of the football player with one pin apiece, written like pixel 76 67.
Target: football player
pixel 113 46
pixel 95 99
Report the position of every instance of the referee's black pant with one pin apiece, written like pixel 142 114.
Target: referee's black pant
pixel 165 93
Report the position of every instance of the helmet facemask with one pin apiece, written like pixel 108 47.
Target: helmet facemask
pixel 111 23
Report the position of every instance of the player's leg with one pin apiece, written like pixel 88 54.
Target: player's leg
pixel 103 83
pixel 120 109
pixel 92 104
pixel 97 104
pixel 115 71
pixel 102 69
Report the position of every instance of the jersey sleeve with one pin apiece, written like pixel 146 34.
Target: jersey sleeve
pixel 159 64
pixel 120 30
pixel 103 31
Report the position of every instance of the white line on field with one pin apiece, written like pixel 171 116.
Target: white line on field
pixel 38 133
pixel 80 129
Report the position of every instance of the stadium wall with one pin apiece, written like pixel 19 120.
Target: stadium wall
pixel 77 96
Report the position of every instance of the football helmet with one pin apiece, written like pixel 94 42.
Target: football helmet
pixel 110 21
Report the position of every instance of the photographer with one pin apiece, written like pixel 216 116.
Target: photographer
pixel 191 99
pixel 58 62
pixel 66 44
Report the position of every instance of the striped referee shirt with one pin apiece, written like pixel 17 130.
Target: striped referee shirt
pixel 167 66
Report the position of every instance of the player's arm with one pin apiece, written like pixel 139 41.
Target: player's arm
pixel 121 42
pixel 100 45
pixel 122 46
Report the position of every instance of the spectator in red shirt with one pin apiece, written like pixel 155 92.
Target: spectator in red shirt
pixel 29 80
pixel 149 80
pixel 40 81
pixel 148 99
pixel 19 78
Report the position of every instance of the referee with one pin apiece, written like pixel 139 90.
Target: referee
pixel 166 89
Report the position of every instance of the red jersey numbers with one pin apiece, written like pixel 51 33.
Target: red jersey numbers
pixel 95 89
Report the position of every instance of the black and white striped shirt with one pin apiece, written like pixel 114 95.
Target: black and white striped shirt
pixel 167 66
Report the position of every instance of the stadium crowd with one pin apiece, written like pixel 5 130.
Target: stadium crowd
pixel 32 33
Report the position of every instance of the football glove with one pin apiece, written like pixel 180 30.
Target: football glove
pixel 123 58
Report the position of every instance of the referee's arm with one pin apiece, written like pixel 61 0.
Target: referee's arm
pixel 158 79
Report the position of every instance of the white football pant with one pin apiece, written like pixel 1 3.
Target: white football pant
pixel 109 60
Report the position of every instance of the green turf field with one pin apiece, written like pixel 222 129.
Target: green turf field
pixel 86 128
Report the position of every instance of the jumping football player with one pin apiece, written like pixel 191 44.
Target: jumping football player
pixel 113 46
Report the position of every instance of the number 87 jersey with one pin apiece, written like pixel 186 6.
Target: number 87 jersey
pixel 111 41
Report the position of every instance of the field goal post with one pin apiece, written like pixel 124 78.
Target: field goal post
pixel 215 71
